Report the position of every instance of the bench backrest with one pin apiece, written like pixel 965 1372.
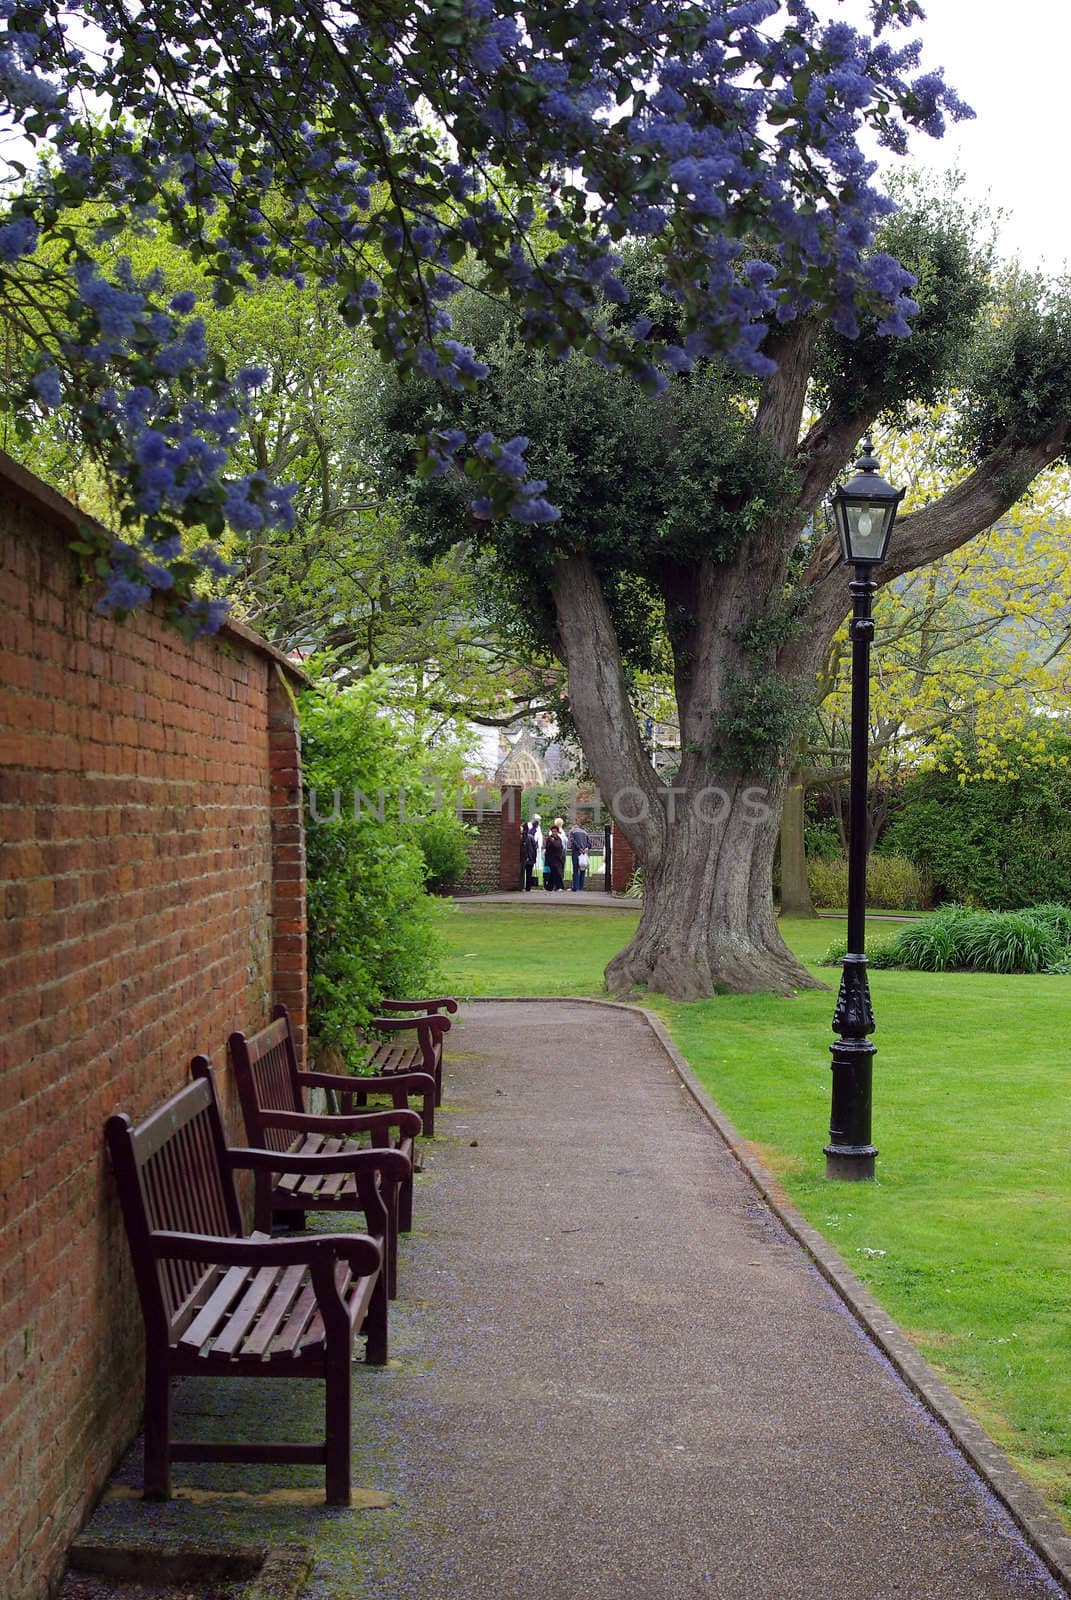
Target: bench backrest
pixel 266 1069
pixel 172 1175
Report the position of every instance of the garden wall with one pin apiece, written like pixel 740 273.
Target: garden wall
pixel 623 864
pixel 151 901
pixel 494 846
pixel 485 852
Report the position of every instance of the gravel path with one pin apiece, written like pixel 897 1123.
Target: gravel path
pixel 613 1376
pixel 634 1386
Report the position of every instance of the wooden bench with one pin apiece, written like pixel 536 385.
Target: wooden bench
pixel 386 1058
pixel 271 1091
pixel 218 1303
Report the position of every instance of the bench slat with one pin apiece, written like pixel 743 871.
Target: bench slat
pixel 215 1308
pixel 244 1314
pixel 274 1312
pixel 387 1058
pixel 343 1280
pixel 288 1340
pixel 317 1183
pixel 309 1144
pixel 334 1183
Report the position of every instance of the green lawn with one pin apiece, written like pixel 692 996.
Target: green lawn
pixel 966 1237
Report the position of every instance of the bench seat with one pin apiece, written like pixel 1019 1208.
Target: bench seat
pixel 388 1055
pixel 264 1318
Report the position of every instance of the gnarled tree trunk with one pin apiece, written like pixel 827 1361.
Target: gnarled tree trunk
pixel 708 920
pixel 705 844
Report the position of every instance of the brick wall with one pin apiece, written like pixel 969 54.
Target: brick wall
pixel 623 864
pixel 494 846
pixel 151 883
pixel 485 852
pixel 509 840
pixel 289 940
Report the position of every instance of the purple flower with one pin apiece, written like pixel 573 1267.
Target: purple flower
pixel 209 615
pixel 46 386
pixel 210 559
pixel 681 125
pixel 534 509
pixel 123 593
pixel 18 238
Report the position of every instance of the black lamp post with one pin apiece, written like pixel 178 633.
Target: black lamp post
pixel 864 511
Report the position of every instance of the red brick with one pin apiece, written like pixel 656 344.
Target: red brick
pixel 151 898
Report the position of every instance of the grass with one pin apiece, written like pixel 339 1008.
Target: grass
pixel 519 949
pixel 965 1237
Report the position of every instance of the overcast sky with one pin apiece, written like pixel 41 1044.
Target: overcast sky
pixel 1011 61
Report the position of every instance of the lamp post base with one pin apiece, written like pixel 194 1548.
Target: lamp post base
pixel 851 1163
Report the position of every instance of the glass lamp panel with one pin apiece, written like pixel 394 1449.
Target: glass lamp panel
pixel 867 523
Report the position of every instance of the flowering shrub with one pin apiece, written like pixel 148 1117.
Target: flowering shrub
pixel 391 157
pixel 1000 843
pixel 892 883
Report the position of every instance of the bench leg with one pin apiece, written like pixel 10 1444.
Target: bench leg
pixel 157 1477
pixel 375 1325
pixel 427 1115
pixel 262 1186
pixel 337 1416
pixel 405 1204
pixel 391 1241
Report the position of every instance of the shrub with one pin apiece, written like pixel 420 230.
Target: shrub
pixel 959 939
pixel 999 845
pixel 891 882
pixel 879 955
pixel 369 917
pixel 443 844
pixel 940 943
pixel 821 840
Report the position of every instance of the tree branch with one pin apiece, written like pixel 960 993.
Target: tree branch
pixel 823 453
pixel 781 400
pixel 964 511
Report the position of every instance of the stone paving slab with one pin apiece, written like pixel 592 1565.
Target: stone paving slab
pixel 595 899
pixel 542 899
pixel 614 1376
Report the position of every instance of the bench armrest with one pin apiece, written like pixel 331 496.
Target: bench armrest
pixel 428 1006
pixel 374 1122
pixel 432 1025
pixel 361 1253
pixel 394 1164
pixel 344 1083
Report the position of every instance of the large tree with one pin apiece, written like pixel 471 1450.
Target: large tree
pixel 701 508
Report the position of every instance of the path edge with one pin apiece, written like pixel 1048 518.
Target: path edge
pixel 1043 1532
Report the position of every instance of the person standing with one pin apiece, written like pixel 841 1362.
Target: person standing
pixel 579 845
pixel 529 855
pixel 537 835
pixel 554 850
